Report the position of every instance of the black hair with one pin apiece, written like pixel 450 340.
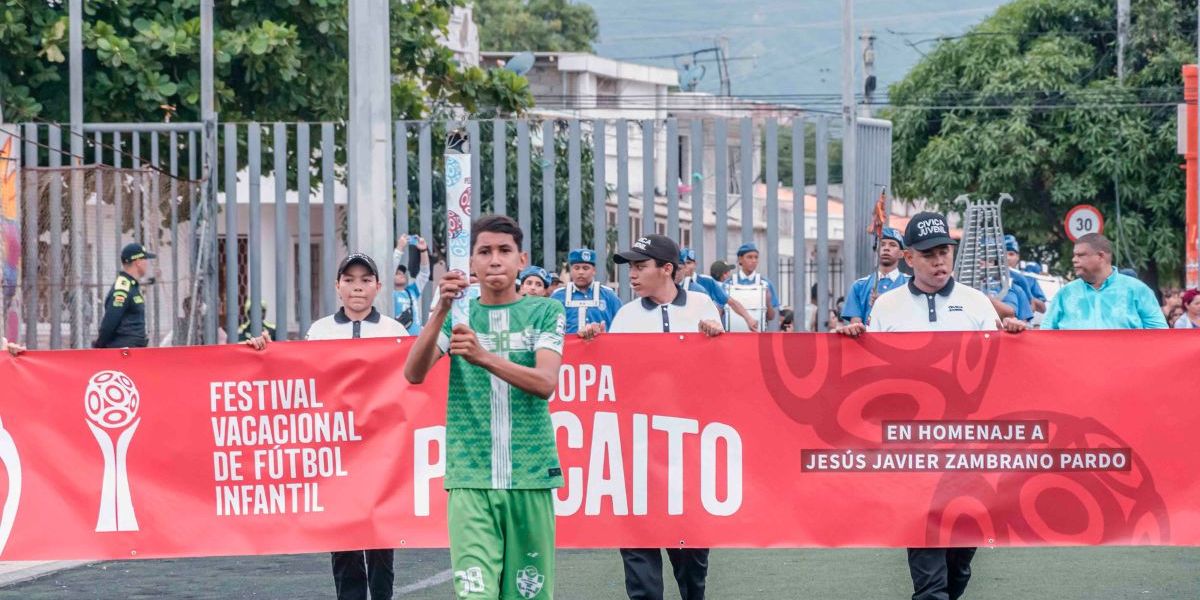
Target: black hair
pixel 1097 242
pixel 402 269
pixel 662 263
pixel 496 224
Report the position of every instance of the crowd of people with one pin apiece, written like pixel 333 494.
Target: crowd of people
pixel 494 484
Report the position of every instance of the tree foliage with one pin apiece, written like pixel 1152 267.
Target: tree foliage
pixel 275 60
pixel 1028 102
pixel 536 25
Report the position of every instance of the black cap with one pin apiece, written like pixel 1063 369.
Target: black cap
pixel 927 230
pixel 654 246
pixel 134 251
pixel 358 258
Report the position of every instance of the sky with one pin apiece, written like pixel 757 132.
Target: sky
pixel 781 47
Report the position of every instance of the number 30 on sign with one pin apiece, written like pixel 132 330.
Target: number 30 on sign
pixel 1082 220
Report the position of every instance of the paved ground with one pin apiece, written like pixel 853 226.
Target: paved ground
pixel 1053 573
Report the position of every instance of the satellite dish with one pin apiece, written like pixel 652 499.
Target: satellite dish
pixel 520 63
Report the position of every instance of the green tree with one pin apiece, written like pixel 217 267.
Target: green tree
pixel 1028 103
pixel 536 25
pixel 275 61
pixel 810 157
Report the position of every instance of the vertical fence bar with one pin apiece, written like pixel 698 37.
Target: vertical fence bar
pixel 173 169
pixel 254 242
pixel 54 238
pixel 138 192
pixel 328 221
pixel 30 274
pixel 649 224
pixel 153 201
pixel 400 178
pixel 425 188
pixel 524 218
pixel 673 180
pixel 279 153
pixel 98 237
pixel 304 285
pixel 624 229
pixel 76 238
pixel 823 223
pixel 771 156
pixel 231 232
pixel 721 186
pixel 499 167
pixel 574 186
pixel 747 174
pixel 476 148
pixel 799 245
pixel 697 178
pixel 549 258
pixel 118 197
pixel 599 200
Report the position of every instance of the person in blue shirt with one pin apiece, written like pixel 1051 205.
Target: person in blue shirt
pixel 747 274
pixel 699 282
pixel 1012 253
pixel 857 308
pixel 533 281
pixel 409 281
pixel 1101 297
pixel 589 305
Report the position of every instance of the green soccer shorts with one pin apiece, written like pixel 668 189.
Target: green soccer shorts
pixel 502 543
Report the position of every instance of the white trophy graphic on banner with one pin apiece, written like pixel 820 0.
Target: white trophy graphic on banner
pixel 12 466
pixel 111 402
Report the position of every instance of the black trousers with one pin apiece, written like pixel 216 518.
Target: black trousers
pixel 643 572
pixel 357 571
pixel 939 573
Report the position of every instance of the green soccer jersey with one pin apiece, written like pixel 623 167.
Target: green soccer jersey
pixel 498 436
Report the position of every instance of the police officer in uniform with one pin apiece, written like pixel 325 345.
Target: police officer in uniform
pixel 268 327
pixel 589 304
pixel 933 301
pixel 124 321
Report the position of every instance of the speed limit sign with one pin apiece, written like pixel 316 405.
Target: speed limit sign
pixel 1082 220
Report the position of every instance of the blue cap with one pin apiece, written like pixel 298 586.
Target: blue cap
pixel 538 272
pixel 582 255
pixel 687 254
pixel 1033 268
pixel 891 233
pixel 746 249
pixel 1010 244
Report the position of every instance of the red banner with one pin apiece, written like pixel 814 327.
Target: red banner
pixel 740 441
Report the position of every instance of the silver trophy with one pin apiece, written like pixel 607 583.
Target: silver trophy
pixel 112 402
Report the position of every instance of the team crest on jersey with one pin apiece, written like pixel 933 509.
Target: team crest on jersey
pixel 530 582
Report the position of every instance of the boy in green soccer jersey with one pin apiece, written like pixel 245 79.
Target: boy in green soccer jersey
pixel 501 459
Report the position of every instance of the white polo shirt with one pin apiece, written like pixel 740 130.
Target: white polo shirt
pixel 682 315
pixel 955 307
pixel 338 326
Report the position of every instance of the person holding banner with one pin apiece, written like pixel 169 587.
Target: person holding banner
pixel 888 277
pixel 501 456
pixel 663 306
pixel 933 301
pixel 13 349
pixel 746 276
pixel 1102 298
pixel 589 305
pixel 711 287
pixel 356 571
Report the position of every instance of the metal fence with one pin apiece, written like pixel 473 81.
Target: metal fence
pixel 275 222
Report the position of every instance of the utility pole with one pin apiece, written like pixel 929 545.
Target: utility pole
pixel 869 82
pixel 370 135
pixel 850 202
pixel 1122 42
pixel 75 77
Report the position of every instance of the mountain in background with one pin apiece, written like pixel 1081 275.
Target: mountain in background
pixel 785 48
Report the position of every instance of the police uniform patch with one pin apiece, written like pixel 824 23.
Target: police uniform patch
pixel 119 298
pixel 122 285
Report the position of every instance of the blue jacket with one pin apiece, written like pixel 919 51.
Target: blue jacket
pixel 858 303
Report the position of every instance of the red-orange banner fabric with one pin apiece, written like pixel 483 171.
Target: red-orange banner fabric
pixel 780 440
